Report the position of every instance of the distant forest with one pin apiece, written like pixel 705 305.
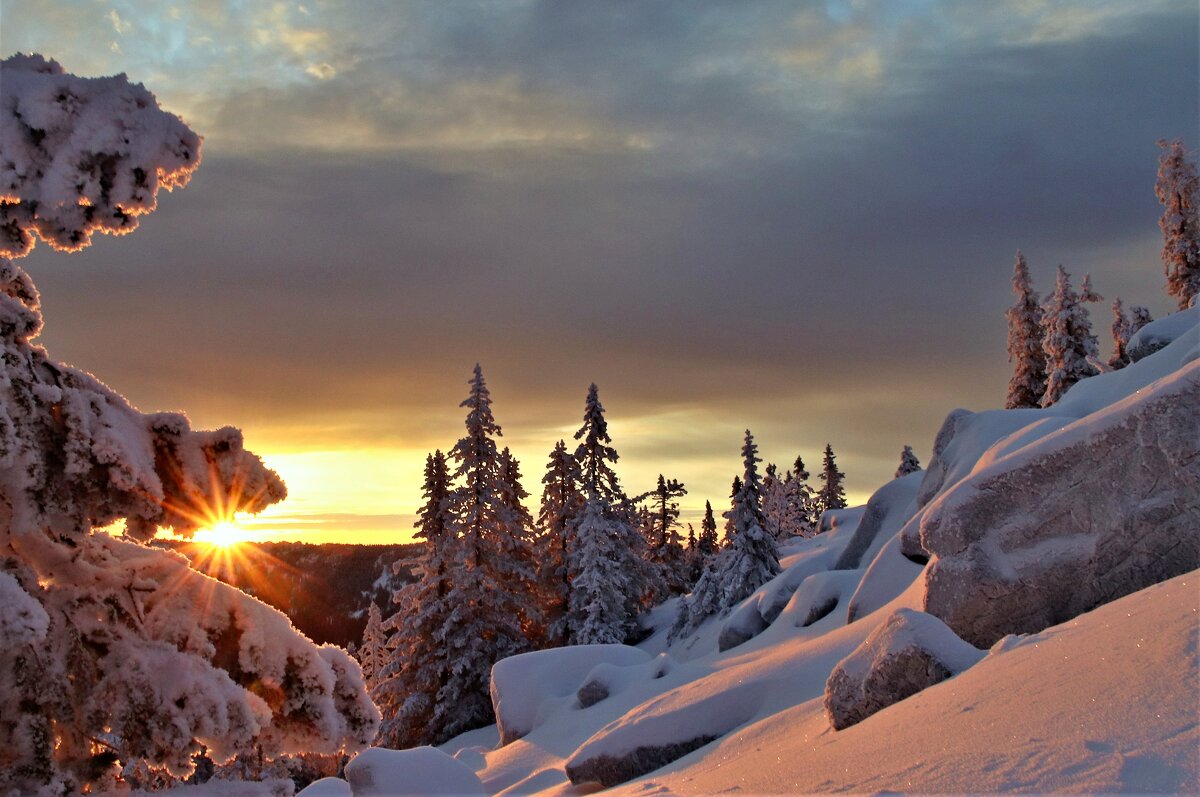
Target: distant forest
pixel 324 589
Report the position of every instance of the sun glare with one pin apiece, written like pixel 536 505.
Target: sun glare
pixel 222 535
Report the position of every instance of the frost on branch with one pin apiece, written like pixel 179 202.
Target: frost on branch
pixel 114 654
pixel 80 155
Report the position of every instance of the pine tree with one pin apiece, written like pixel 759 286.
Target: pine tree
pixel 594 454
pixel 1120 336
pixel 561 504
pixel 1178 189
pixel 612 514
pixel 1138 317
pixel 908 463
pixel 488 594
pixel 734 491
pixel 373 653
pixel 1068 341
pixel 802 502
pixel 831 495
pixel 414 689
pixel 666 551
pixel 514 562
pixel 1028 382
pixel 750 560
pixel 601 584
pixel 774 501
pixel 1087 293
pixel 707 542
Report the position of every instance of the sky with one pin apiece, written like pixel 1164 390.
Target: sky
pixel 794 217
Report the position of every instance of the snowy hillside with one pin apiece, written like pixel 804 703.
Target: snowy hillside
pixel 1094 501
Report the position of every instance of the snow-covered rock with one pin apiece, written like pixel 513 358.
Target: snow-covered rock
pixel 909 652
pixel 888 575
pixel 658 735
pixel 418 771
pixel 326 787
pixel 1158 334
pixel 886 510
pixel 1096 510
pixel 526 687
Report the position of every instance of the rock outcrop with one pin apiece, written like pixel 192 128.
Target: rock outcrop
pixel 1098 509
pixel 908 652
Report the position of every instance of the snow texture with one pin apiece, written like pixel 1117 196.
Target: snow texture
pixel 891 504
pixel 908 652
pixel 418 771
pixel 527 687
pixel 325 787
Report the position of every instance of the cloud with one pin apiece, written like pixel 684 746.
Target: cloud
pixel 797 217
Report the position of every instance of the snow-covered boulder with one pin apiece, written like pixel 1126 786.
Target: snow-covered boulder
pixel 326 787
pixel 888 575
pixel 886 510
pixel 527 686
pixel 661 731
pixel 908 652
pixel 1097 509
pixel 378 772
pixel 745 623
pixel 1158 334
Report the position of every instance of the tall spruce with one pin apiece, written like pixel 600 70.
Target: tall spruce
pixel 414 690
pixel 515 564
pixel 372 654
pixel 832 494
pixel 1178 189
pixel 1025 334
pixel 605 526
pixel 908 463
pixel 666 551
pixel 1069 343
pixel 748 561
pixel 561 503
pixel 707 543
pixel 491 603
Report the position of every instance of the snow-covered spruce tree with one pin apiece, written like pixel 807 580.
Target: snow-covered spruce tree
pixel 489 592
pixel 515 564
pixel 611 513
pixel 372 654
pixel 1025 333
pixel 666 550
pixel 1138 317
pixel 1120 335
pixel 707 543
pixel 1178 189
pixel 409 690
pixel 1069 342
pixel 601 583
pixel 774 500
pixel 908 463
pixel 831 495
pixel 561 503
pixel 115 655
pixel 749 561
pixel 802 507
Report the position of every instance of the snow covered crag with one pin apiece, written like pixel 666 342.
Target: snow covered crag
pixel 118 660
pixel 879 620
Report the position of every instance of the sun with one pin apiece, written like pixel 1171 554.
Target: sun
pixel 222 534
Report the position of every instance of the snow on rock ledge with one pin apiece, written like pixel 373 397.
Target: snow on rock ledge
pixel 524 685
pixel 421 770
pixel 908 652
pixel 1098 509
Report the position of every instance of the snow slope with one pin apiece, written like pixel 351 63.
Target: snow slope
pixel 1105 702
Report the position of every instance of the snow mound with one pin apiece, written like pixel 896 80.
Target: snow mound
pixel 657 734
pixel 525 688
pixel 1159 334
pixel 888 575
pixel 326 787
pixel 419 771
pixel 909 652
pixel 1098 509
pixel 886 510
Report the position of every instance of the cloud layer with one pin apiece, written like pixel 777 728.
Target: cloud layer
pixel 794 217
